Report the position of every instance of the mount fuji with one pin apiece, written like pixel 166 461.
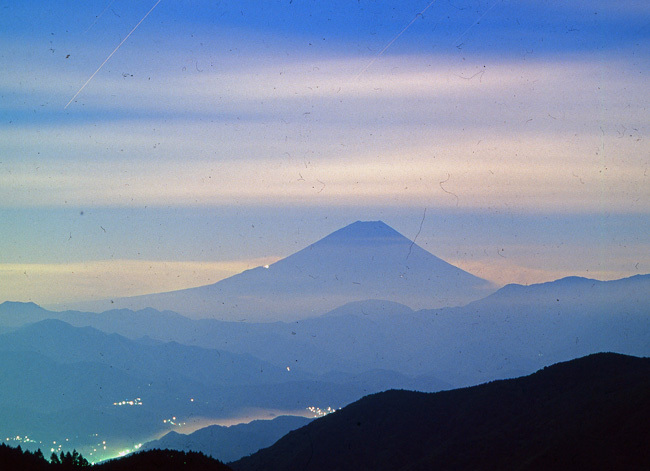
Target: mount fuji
pixel 364 260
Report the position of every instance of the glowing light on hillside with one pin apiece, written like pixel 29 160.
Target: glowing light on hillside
pixel 173 421
pixel 318 412
pixel 20 439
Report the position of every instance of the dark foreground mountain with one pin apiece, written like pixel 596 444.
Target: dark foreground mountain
pixel 163 460
pixel 365 260
pixel 17 459
pixel 233 442
pixel 590 413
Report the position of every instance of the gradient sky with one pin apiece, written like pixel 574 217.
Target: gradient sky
pixel 223 135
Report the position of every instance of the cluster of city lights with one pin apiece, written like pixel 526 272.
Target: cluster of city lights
pixel 57 447
pixel 133 402
pixel 97 451
pixel 173 421
pixel 101 446
pixel 20 439
pixel 127 451
pixel 318 412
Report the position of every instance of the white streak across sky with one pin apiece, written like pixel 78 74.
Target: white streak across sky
pixel 390 43
pixel 111 54
pixel 477 21
pixel 99 16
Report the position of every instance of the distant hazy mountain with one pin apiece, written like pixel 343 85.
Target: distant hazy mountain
pixel 591 413
pixel 16 314
pixel 365 260
pixel 231 443
pixel 65 344
pixel 514 331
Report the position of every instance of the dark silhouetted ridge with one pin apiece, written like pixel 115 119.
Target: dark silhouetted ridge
pixel 163 460
pixel 232 442
pixel 590 413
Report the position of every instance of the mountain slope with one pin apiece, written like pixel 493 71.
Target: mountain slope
pixel 66 344
pixel 365 260
pixel 233 442
pixel 163 460
pixel 515 331
pixel 590 413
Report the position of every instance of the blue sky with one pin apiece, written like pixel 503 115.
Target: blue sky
pixel 224 135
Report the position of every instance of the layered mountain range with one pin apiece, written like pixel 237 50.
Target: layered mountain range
pixel 514 331
pixel 119 378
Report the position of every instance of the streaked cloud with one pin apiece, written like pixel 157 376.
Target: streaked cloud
pixel 568 135
pixel 526 172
